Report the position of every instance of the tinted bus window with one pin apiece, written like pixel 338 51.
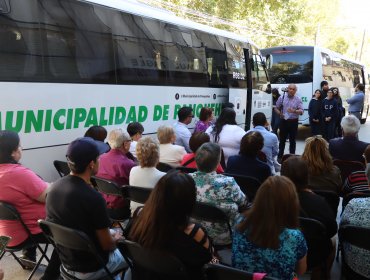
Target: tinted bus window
pixel 293 66
pixel 78 44
pixel 20 42
pixel 259 77
pixel 236 62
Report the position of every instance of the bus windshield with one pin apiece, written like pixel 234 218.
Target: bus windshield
pixel 291 66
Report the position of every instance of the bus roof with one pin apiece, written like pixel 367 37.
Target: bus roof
pixel 331 53
pixel 140 9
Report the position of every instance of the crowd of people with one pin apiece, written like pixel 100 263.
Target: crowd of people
pixel 266 231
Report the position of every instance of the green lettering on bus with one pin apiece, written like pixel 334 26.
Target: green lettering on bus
pixel 131 116
pixel 143 114
pixel 92 118
pixel 157 113
pixel 69 118
pixel 111 116
pixel 47 123
pixel 120 115
pixel 166 109
pixel 177 108
pixel 34 121
pixel 80 116
pixel 58 125
pixel 103 121
pixel 18 121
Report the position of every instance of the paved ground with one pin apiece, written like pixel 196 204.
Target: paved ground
pixel 14 272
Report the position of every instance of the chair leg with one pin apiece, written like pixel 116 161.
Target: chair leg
pixel 43 255
pixel 2 254
pixel 18 261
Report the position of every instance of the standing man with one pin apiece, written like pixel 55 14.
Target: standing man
pixel 289 107
pixel 183 134
pixel 324 85
pixel 356 102
pixel 73 202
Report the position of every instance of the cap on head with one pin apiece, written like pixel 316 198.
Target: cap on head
pixel 82 151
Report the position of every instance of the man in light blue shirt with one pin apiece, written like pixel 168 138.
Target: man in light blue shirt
pixel 183 134
pixel 356 102
pixel 271 143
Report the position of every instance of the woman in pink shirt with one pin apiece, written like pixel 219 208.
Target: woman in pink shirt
pixel 22 188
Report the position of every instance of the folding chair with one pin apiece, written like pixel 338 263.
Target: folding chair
pixel 64 237
pixel 355 236
pixel 332 198
pixel 10 213
pixel 136 194
pixel 346 167
pixel 62 167
pixel 210 213
pixel 221 272
pixel 164 167
pixel 151 262
pixel 317 242
pixel 110 188
pixel 248 185
pixel 186 169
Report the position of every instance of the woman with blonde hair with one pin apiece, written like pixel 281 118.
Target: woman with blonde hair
pixel 267 239
pixel 169 152
pixel 322 173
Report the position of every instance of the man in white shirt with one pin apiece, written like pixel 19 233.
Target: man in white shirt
pixel 183 134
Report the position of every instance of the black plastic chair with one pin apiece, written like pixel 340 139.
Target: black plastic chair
pixel 186 169
pixel 355 236
pixel 221 272
pixel 346 167
pixel 332 198
pixel 151 262
pixel 317 242
pixel 248 185
pixel 10 213
pixel 64 237
pixel 164 167
pixel 111 188
pixel 136 194
pixel 62 167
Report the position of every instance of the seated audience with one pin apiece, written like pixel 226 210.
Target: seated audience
pixel 267 238
pixel 26 191
pixel 98 133
pixel 168 152
pixel 216 189
pixel 146 174
pixel 226 133
pixel 312 206
pixel 348 147
pixel 247 163
pixel 163 224
pixel 116 166
pixel 183 134
pixel 357 181
pixel 73 202
pixel 196 140
pixel 135 130
pixel 322 173
pixel 357 213
pixel 270 140
pixel 205 120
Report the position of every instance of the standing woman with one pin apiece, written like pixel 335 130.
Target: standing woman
pixel 26 191
pixel 227 133
pixel 314 112
pixel 205 119
pixel 338 128
pixel 329 115
pixel 267 239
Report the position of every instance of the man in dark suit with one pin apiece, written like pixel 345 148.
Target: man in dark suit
pixel 348 147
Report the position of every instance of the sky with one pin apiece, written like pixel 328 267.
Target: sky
pixel 355 13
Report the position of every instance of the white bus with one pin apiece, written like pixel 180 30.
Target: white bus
pixel 307 66
pixel 66 65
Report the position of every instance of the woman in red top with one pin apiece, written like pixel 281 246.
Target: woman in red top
pixel 196 140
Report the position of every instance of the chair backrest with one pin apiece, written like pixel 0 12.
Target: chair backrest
pixel 186 169
pixel 346 167
pixel 286 156
pixel 72 239
pixel 210 213
pixel 248 185
pixel 164 167
pixel 136 194
pixel 107 187
pixel 316 238
pixel 152 261
pixel 9 213
pixel 62 167
pixel 221 272
pixel 348 197
pixel 332 198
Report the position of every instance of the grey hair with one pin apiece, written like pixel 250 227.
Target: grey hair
pixel 350 125
pixel 208 157
pixel 116 138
